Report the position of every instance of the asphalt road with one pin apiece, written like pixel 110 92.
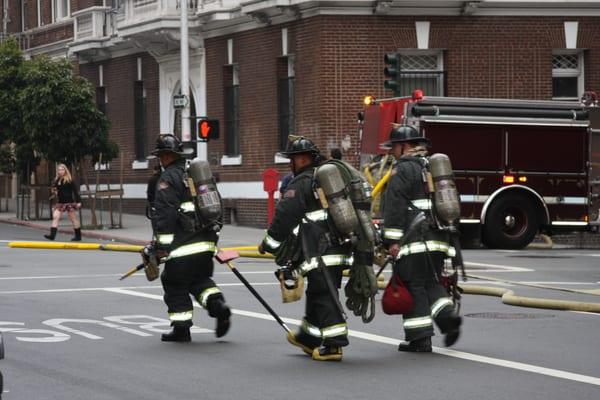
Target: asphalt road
pixel 73 331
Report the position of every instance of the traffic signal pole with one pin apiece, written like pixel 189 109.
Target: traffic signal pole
pixel 186 135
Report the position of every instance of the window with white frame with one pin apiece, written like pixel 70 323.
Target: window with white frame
pixel 39 12
pixel 567 76
pixel 422 70
pixel 61 9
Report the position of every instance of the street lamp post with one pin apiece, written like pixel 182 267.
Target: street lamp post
pixel 186 135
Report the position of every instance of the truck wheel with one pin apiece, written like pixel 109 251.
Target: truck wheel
pixel 511 223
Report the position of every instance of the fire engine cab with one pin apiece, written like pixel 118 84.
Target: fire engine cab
pixel 521 166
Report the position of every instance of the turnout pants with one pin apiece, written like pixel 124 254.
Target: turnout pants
pixel 431 300
pixel 187 275
pixel 323 324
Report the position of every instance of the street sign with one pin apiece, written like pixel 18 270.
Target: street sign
pixel 180 101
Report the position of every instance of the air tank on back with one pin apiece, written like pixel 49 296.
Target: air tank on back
pixel 341 209
pixel 446 198
pixel 207 196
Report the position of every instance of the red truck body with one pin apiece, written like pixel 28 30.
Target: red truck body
pixel 521 167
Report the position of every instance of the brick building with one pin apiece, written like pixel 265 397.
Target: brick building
pixel 266 69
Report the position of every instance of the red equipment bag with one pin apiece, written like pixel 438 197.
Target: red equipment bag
pixel 396 298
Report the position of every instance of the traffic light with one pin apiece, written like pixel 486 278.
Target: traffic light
pixel 392 67
pixel 208 129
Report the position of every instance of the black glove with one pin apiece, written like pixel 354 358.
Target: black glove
pixel 152 253
pixel 288 275
pixel 261 248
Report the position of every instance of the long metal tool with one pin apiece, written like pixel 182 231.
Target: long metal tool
pixel 132 271
pixel 225 257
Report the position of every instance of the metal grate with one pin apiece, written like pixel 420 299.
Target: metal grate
pixel 418 62
pixel 565 61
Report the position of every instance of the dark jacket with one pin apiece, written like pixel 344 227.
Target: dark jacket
pixel 66 192
pixel 300 213
pixel 173 214
pixel 405 196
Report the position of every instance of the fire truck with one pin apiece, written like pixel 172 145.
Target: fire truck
pixel 522 167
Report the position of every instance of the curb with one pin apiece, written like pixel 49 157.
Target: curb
pixel 84 233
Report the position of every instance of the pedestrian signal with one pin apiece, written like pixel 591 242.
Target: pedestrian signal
pixel 208 129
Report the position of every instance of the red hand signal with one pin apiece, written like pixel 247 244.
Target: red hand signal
pixel 204 129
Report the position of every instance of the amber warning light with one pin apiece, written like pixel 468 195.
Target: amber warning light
pixel 208 129
pixel 508 179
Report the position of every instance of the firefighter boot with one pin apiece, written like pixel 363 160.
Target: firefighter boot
pixel 77 237
pixel 294 339
pixel 327 353
pixel 422 345
pixel 179 333
pixel 453 333
pixel 52 234
pixel 219 310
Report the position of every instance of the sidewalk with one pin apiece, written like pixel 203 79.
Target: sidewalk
pixel 136 230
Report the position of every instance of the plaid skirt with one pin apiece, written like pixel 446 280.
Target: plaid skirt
pixel 66 207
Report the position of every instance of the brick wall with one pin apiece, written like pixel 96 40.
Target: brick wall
pixel 119 76
pixel 14 13
pixel 339 60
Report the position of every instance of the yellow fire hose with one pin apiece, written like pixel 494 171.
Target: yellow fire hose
pixel 381 184
pixel 508 296
pixel 245 251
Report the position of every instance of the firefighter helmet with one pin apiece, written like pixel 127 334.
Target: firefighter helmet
pixel 300 146
pixel 403 134
pixel 170 143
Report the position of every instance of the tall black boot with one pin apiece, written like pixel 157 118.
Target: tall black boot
pixel 454 332
pixel 52 234
pixel 219 310
pixel 179 333
pixel 422 345
pixel 77 237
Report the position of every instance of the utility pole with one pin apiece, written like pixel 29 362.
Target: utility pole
pixel 185 89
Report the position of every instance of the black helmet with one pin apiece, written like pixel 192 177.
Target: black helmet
pixel 170 143
pixel 403 134
pixel 299 146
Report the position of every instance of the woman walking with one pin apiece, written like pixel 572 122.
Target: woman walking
pixel 67 195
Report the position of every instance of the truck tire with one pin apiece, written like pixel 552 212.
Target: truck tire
pixel 511 222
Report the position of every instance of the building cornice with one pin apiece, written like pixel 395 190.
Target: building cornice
pixel 254 14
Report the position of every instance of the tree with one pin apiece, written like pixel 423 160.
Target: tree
pixel 12 144
pixel 60 113
pixel 47 111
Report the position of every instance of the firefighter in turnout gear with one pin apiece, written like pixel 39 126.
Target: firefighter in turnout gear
pixel 419 258
pixel 300 222
pixel 187 250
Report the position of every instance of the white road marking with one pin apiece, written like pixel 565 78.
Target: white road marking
pixel 498 268
pixel 140 275
pixel 36 291
pixel 387 340
pixel 586 312
pixel 556 283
